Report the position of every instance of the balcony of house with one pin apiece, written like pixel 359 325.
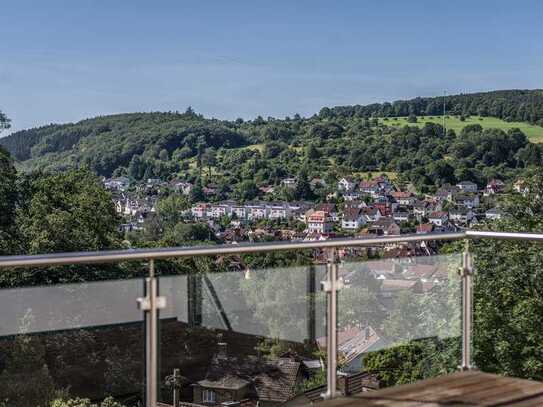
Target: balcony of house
pixel 367 322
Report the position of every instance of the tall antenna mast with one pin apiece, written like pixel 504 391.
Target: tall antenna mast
pixel 444 126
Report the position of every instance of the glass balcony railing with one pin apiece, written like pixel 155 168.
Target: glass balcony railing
pixel 225 328
pixel 274 322
pixel 395 307
pixel 83 339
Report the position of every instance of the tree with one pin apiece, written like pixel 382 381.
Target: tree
pixel 78 402
pixel 170 209
pixel 247 190
pixel 4 121
pixel 411 362
pixel 303 187
pixel 188 233
pixel 136 168
pixel 8 202
pixel 197 191
pixel 273 149
pixel 164 155
pixel 312 152
pixel 66 212
pixel 508 292
pixel 209 159
pixel 412 118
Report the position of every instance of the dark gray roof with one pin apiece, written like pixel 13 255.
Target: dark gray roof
pixel 278 383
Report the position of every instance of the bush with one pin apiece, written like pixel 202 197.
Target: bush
pixel 412 118
pixel 77 402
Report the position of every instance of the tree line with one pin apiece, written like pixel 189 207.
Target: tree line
pixel 509 105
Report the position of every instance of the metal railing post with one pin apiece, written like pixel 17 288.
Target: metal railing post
pixel 467 307
pixel 331 287
pixel 150 305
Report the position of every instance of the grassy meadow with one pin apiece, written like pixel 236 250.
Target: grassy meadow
pixel 534 133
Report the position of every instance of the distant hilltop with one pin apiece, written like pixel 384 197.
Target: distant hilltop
pixel 145 145
pixel 510 105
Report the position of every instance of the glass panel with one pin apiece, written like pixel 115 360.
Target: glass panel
pixel 508 307
pixel 71 340
pixel 243 328
pixel 399 319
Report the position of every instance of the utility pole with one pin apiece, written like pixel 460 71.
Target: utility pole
pixel 175 381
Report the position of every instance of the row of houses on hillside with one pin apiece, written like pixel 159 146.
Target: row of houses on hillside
pixel 250 210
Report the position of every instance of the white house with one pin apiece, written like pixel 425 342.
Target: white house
pixel 346 184
pixel 401 216
pixel 469 201
pixel 461 215
pixel 218 211
pixel 351 196
pixel 438 218
pixel 493 214
pixel 421 209
pixel 184 187
pixel 117 184
pixel 404 198
pixel 256 211
pixel 353 219
pixel 370 187
pixel 199 211
pixel 278 211
pixel 289 182
pixel 319 222
pixel 330 209
pixel 467 186
pixel 494 186
pixel 371 214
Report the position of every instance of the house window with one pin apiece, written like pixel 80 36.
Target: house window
pixel 208 396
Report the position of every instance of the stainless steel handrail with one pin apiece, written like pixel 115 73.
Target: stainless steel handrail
pixel 483 234
pixel 113 256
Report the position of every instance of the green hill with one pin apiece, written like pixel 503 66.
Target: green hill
pixel 238 155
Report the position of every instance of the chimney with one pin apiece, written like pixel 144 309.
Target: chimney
pixel 222 351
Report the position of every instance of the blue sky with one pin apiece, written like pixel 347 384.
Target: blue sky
pixel 68 60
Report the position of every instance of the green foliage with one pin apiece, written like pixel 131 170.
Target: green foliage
pixel 517 105
pixel 317 380
pixel 78 402
pixel 340 140
pixel 44 213
pixel 170 209
pixel 4 121
pixel 508 291
pixel 246 190
pixel 187 233
pixel 272 349
pixel 25 376
pixel 8 202
pixel 68 211
pixel 414 361
pixel 109 142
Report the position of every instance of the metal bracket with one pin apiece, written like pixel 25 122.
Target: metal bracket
pixel 144 303
pixel 326 285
